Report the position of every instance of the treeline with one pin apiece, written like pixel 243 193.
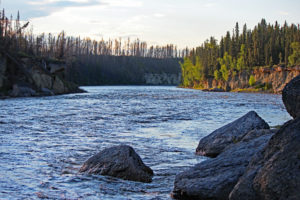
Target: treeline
pixel 14 37
pixel 265 45
pixel 89 61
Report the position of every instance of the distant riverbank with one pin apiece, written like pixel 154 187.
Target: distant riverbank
pixel 263 80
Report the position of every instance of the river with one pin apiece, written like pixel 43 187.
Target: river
pixel 44 141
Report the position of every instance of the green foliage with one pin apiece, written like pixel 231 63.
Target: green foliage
pixel 264 45
pixel 251 80
pixel 241 65
pixel 294 59
pixel 192 74
pixel 217 75
pixel 226 64
pixel 225 72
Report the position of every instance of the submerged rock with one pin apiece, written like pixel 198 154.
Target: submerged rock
pixel 119 161
pixel 215 178
pixel 291 97
pixel 214 144
pixel 274 172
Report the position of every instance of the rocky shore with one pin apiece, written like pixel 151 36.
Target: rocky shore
pixel 250 160
pixel 266 79
pixel 24 76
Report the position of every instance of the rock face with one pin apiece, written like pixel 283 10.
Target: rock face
pixel 291 97
pixel 213 144
pixel 274 172
pixel 215 178
pixel 26 77
pixel 119 161
pixel 275 77
pixel 162 79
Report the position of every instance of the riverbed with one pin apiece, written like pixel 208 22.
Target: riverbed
pixel 45 140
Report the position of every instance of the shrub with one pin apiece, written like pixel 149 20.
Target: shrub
pixel 251 80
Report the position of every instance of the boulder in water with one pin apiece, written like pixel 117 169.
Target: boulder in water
pixel 214 144
pixel 119 161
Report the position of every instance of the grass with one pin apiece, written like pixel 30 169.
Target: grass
pixel 247 90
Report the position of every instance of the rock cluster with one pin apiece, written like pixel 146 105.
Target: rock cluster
pixel 119 161
pixel 274 172
pixel 215 178
pixel 261 164
pixel 213 144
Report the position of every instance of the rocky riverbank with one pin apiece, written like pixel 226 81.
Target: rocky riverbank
pixel 261 164
pixel 265 79
pixel 24 76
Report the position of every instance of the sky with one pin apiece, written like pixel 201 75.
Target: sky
pixel 159 22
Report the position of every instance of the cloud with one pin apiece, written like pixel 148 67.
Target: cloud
pixel 41 8
pixel 210 5
pixel 159 15
pixel 284 13
pixel 123 3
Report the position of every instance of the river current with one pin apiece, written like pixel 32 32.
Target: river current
pixel 44 141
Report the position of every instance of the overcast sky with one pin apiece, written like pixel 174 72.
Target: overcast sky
pixel 181 22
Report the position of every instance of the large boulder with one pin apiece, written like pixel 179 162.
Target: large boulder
pixel 118 161
pixel 274 173
pixel 213 144
pixel 58 86
pixel 215 178
pixel 42 80
pixel 291 97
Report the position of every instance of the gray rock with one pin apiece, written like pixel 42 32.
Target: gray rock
pixel 274 172
pixel 162 79
pixel 119 161
pixel 291 97
pixel 22 91
pixel 42 80
pixel 215 178
pixel 213 144
pixel 58 86
pixel 47 92
pixel 54 68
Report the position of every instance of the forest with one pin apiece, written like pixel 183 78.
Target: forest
pixel 126 61
pixel 266 45
pixel 90 62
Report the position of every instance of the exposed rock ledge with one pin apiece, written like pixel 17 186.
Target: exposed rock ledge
pixel 26 77
pixel 162 79
pixel 269 79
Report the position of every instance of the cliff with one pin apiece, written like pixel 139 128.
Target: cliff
pixel 268 79
pixel 162 79
pixel 24 76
